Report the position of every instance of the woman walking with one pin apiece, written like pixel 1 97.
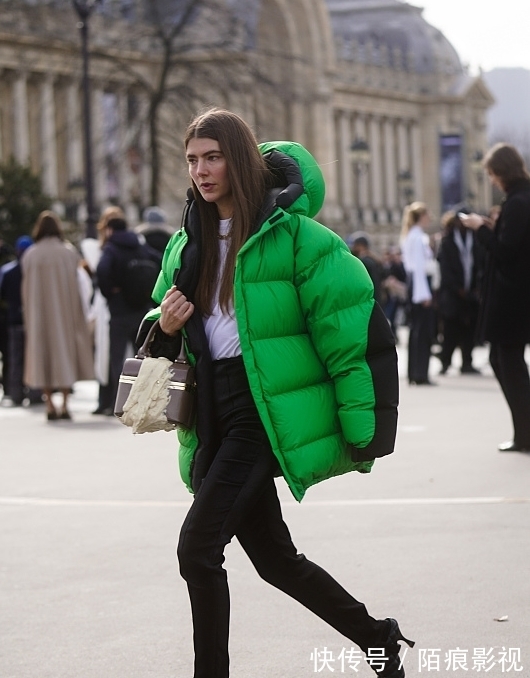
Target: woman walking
pixel 58 343
pixel 418 259
pixel 295 367
pixel 504 319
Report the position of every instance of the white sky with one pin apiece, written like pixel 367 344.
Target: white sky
pixel 485 33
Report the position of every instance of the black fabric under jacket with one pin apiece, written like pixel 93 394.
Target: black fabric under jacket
pixel 453 302
pixel 505 307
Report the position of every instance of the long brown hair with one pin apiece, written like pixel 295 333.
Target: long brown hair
pixel 48 226
pixel 505 161
pixel 248 176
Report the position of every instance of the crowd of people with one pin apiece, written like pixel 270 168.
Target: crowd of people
pixel 70 314
pixel 469 284
pixel 244 279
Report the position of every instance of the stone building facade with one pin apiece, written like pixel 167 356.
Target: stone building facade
pixel 335 75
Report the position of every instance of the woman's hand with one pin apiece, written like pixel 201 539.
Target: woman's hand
pixel 176 310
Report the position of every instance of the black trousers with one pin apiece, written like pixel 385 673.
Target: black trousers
pixel 238 498
pixel 123 329
pixel 15 375
pixel 457 332
pixel 511 370
pixel 420 340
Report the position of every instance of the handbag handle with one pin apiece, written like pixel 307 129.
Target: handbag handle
pixel 145 349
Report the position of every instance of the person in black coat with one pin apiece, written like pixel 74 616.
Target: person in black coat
pixel 11 300
pixel 504 318
pixel 460 258
pixel 113 277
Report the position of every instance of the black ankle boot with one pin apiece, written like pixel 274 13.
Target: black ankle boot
pixel 393 668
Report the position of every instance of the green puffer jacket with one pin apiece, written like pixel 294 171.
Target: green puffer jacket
pixel 318 351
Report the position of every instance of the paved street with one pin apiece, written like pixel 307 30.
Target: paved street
pixel 438 535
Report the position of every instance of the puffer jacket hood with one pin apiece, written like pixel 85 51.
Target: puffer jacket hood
pixel 311 192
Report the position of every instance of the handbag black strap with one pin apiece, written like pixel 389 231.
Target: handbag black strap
pixel 145 350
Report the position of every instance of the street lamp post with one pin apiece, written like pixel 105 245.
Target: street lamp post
pixel 360 156
pixel 84 9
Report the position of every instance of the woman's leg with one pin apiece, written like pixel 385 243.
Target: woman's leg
pixel 450 342
pixel 234 481
pixel 50 408
pixel 510 368
pixel 420 341
pixel 266 539
pixel 242 468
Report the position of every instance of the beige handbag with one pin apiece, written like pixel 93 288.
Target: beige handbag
pixel 156 394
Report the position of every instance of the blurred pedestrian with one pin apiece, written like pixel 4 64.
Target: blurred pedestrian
pixel 458 297
pixel 296 375
pixel 10 297
pixel 418 260
pixel 155 229
pixel 505 309
pixel 116 275
pixel 58 346
pixel 92 249
pixel 394 283
pixel 7 255
pixel 360 247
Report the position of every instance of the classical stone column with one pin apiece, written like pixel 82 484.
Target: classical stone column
pixel 362 175
pixel 390 165
pixel 417 163
pixel 391 193
pixel 48 148
pixel 323 148
pixel 376 169
pixel 404 163
pixel 74 152
pixel 21 118
pixel 345 163
pixel 298 122
pixel 324 143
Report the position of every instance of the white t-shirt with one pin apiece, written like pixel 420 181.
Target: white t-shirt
pixel 221 328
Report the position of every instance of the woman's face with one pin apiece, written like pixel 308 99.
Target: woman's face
pixel 209 172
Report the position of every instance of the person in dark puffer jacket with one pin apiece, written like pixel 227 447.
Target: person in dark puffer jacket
pixel 121 246
pixel 296 374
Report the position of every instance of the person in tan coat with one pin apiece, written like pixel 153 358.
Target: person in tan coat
pixel 58 345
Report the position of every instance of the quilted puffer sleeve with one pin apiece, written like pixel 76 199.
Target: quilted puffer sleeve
pixel 351 336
